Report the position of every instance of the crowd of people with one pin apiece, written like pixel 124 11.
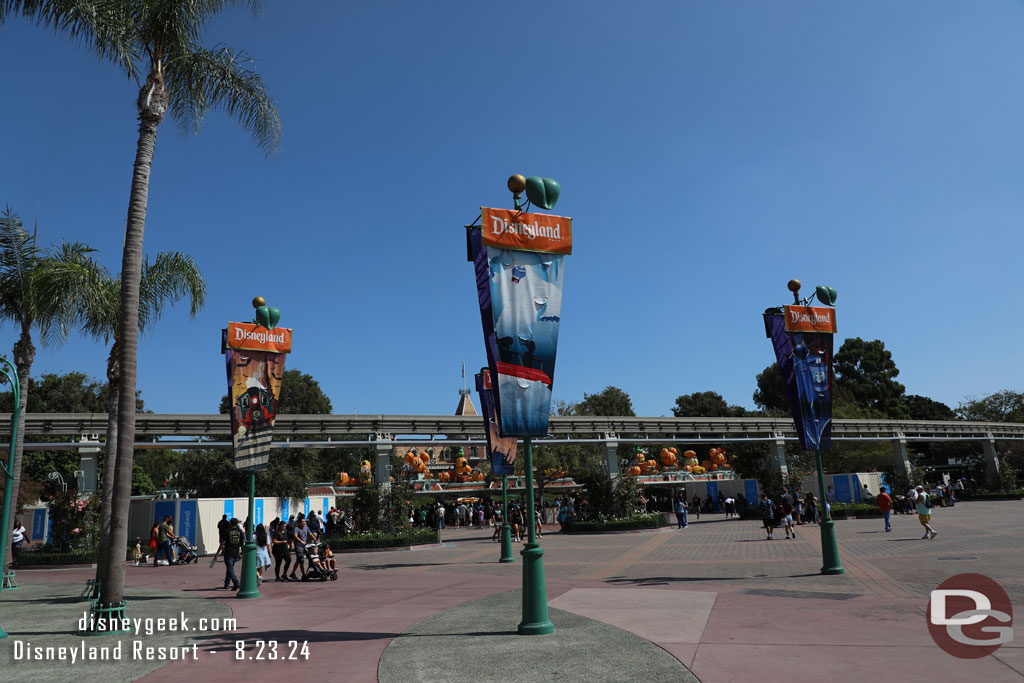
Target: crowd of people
pixel 295 544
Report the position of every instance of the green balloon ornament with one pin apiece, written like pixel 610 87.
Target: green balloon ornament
pixel 826 295
pixel 543 192
pixel 275 316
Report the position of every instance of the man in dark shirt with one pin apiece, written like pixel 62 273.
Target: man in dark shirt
pixel 222 528
pixel 232 551
pixel 300 536
pixel 767 513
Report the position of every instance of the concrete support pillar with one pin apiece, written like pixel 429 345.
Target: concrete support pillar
pixel 382 459
pixel 900 459
pixel 991 460
pixel 778 455
pixel 88 454
pixel 611 455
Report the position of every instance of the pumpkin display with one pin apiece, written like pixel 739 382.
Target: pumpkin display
pixel 341 479
pixel 634 471
pixel 424 456
pixel 444 477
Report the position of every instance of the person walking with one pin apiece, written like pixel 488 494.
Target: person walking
pixel 767 514
pixel 696 506
pixel 787 518
pixel 515 516
pixel 262 552
pixel 279 549
pixel 232 551
pixel 222 529
pixel 924 512
pixel 680 510
pixel 884 502
pixel 18 538
pixel 300 536
pixel 163 543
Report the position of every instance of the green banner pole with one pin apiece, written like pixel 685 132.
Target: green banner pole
pixel 506 528
pixel 249 587
pixel 535 601
pixel 9 472
pixel 829 548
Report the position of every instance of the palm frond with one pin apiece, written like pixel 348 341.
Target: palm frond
pixel 105 26
pixel 64 285
pixel 223 79
pixel 18 256
pixel 173 276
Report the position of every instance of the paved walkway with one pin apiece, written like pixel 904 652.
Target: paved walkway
pixel 724 602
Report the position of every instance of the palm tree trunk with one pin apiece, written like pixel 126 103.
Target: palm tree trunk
pixel 152 104
pixel 109 465
pixel 24 356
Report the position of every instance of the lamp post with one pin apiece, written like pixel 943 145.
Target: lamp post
pixel 249 588
pixel 5 519
pixel 506 528
pixel 535 601
pixel 829 547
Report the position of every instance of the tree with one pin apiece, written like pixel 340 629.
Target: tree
pixel 173 276
pixel 158 38
pixel 868 372
pixel 40 290
pixel 770 395
pixel 1002 406
pixel 924 408
pixel 612 402
pixel 705 404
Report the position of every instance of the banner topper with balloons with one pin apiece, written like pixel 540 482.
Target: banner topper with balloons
pixel 802 337
pixel 519 262
pixel 255 355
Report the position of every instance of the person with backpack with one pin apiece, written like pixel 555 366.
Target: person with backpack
pixel 924 512
pixel 232 551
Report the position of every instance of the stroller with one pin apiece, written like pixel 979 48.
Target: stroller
pixel 316 569
pixel 186 553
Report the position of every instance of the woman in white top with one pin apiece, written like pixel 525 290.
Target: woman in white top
pixel 17 538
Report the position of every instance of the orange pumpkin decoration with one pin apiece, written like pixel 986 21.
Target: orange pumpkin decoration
pixel 634 471
pixel 424 456
pixel 341 479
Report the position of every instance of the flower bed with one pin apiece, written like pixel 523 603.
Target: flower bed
pixel 606 524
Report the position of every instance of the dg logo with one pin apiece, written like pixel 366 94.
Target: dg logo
pixel 970 616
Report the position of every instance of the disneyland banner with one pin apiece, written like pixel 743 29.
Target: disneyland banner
pixel 254 387
pixel 805 363
pixel 501 451
pixel 519 260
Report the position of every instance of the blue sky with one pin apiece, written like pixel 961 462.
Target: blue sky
pixel 707 152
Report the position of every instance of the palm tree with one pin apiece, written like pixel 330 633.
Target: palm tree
pixel 160 38
pixel 41 290
pixel 172 277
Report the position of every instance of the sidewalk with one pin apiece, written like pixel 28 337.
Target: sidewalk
pixel 719 599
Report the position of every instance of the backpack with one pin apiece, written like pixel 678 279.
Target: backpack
pixel 927 501
pixel 234 543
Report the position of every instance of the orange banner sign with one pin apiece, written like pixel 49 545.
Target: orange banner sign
pixel 253 337
pixel 507 229
pixel 810 319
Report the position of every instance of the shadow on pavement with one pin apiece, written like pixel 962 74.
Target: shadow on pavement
pixel 228 640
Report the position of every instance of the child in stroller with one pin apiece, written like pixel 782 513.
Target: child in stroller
pixel 186 552
pixel 317 569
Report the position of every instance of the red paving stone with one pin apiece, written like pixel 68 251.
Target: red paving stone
pixel 794 635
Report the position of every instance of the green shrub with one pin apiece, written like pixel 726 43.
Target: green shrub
pixel 856 508
pixel 383 539
pixel 602 524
